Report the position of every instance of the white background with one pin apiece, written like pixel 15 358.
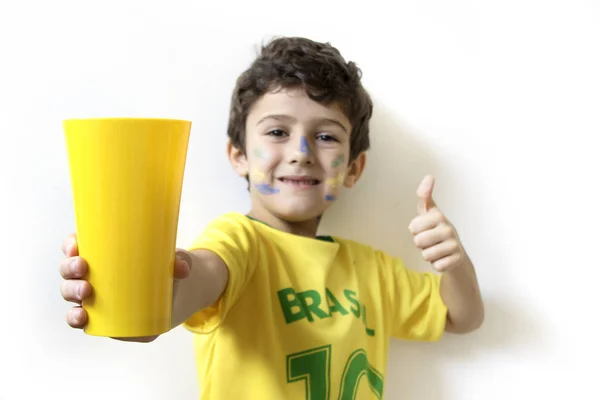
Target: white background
pixel 500 100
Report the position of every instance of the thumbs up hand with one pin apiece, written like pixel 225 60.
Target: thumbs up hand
pixel 433 233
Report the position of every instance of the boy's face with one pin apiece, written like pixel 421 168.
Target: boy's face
pixel 297 153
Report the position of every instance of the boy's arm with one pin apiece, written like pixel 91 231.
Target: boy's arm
pixel 202 288
pixel 441 246
pixel 460 292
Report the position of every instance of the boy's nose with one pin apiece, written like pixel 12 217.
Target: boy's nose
pixel 300 151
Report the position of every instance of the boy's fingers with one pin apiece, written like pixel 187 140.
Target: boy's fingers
pixel 69 245
pixel 75 291
pixel 73 268
pixel 77 317
pixel 432 237
pixel 425 222
pixel 182 268
pixel 424 194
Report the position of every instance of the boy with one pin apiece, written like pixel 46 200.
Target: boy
pixel 278 312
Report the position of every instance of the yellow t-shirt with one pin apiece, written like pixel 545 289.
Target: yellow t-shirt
pixel 304 318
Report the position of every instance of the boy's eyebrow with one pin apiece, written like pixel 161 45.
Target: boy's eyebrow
pixel 289 118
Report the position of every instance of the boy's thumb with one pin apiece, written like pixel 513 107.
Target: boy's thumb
pixel 183 264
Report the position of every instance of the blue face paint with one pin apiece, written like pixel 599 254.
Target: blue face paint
pixel 330 197
pixel 265 188
pixel 304 145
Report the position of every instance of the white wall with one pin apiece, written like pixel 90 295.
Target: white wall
pixel 500 100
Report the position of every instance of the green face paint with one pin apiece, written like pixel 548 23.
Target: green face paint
pixel 259 153
pixel 338 161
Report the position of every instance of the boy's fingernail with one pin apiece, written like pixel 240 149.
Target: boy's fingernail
pixel 74 267
pixel 78 292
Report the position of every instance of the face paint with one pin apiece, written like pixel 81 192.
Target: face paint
pixel 335 182
pixel 265 188
pixel 259 153
pixel 257 175
pixel 304 145
pixel 338 161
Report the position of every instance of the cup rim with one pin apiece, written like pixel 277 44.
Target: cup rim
pixel 115 119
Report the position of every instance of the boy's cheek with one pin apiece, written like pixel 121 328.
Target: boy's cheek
pixel 333 185
pixel 338 161
pixel 259 161
pixel 257 175
pixel 261 154
pixel 336 176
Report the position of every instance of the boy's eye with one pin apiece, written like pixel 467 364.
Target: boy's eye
pixel 326 138
pixel 276 132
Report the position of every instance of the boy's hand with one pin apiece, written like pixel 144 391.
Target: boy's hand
pixel 73 288
pixel 433 233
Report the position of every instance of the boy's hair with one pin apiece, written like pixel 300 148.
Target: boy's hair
pixel 319 69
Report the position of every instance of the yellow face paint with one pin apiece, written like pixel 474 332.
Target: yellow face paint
pixel 336 182
pixel 264 188
pixel 258 175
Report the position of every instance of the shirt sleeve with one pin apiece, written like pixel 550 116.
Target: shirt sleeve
pixel 416 308
pixel 231 238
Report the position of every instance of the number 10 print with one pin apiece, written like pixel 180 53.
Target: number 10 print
pixel 313 367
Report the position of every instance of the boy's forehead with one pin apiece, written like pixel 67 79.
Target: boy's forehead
pixel 296 104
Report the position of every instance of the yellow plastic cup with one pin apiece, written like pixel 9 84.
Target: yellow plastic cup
pixel 127 176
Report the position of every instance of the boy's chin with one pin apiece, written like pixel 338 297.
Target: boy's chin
pixel 299 214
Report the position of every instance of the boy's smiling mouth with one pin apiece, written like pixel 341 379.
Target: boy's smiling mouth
pixel 299 181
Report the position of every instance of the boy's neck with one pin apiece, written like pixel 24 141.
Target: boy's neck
pixel 302 228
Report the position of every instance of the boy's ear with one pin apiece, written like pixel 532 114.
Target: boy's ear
pixel 355 170
pixel 238 159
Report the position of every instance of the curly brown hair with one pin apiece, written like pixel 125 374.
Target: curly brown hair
pixel 319 69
